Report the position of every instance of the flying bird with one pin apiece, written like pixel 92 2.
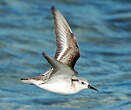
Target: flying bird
pixel 61 78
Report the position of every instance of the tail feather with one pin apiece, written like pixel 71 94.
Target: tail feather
pixel 27 80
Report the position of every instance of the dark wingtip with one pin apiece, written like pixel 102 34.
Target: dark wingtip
pixel 52 8
pixel 44 54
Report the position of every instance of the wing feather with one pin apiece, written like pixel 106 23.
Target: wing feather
pixel 67 50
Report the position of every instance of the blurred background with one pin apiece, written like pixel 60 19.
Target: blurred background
pixel 103 31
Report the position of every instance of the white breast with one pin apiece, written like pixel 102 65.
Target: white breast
pixel 58 87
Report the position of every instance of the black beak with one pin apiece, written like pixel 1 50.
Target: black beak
pixel 90 87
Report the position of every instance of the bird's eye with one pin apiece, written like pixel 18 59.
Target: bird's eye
pixel 82 83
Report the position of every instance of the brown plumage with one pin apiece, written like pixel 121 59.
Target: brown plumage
pixel 67 50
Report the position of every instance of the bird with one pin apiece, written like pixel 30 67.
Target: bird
pixel 61 78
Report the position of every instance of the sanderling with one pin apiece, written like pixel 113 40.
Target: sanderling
pixel 61 77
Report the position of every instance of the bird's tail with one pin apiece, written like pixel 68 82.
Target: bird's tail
pixel 27 80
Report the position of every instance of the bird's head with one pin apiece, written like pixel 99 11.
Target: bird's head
pixel 82 83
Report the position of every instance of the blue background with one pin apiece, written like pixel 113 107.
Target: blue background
pixel 103 31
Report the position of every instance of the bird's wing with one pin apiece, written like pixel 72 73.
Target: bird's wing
pixel 67 50
pixel 58 68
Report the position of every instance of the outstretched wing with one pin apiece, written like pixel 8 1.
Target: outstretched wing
pixel 67 50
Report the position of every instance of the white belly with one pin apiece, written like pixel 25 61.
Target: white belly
pixel 58 87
